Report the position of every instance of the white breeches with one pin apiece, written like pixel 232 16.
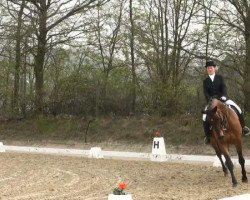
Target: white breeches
pixel 228 102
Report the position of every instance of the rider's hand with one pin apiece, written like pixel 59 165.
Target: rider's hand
pixel 223 98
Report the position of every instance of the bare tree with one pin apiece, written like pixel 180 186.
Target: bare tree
pixel 107 45
pixel 49 15
pixel 18 38
pixel 236 15
pixel 207 19
pixel 132 54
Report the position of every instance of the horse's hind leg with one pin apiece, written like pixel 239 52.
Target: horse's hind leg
pixel 242 163
pixel 243 171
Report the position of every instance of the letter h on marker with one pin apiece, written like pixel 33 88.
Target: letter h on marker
pixel 156 144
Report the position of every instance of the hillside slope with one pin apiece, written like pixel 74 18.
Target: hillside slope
pixel 182 134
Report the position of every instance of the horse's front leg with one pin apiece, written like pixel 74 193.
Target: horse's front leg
pixel 230 167
pixel 224 168
pixel 218 153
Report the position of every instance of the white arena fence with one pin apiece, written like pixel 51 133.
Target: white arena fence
pixel 96 152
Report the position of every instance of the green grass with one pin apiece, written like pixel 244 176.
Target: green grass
pixel 179 130
pixel 183 133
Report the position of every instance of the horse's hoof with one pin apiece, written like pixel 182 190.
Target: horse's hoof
pixel 225 173
pixel 235 184
pixel 244 180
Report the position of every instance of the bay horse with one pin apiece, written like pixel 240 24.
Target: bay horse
pixel 226 130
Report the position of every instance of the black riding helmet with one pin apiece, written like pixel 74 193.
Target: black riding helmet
pixel 210 63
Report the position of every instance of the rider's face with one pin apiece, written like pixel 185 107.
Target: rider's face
pixel 211 70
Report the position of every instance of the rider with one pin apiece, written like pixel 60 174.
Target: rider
pixel 214 86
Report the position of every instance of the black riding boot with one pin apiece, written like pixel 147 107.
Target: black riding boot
pixel 206 127
pixel 245 129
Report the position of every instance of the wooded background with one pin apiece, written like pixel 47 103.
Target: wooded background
pixel 97 57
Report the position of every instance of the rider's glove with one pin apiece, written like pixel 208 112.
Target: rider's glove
pixel 223 98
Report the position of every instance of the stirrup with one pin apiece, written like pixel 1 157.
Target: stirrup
pixel 246 131
pixel 206 140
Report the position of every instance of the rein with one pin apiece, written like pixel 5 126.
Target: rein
pixel 225 118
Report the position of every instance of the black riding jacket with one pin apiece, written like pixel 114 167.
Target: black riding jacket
pixel 216 88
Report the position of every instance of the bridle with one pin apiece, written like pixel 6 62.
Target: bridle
pixel 219 121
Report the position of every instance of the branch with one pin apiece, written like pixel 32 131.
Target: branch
pixel 76 10
pixel 223 19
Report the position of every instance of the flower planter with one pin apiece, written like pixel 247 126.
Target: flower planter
pixel 120 197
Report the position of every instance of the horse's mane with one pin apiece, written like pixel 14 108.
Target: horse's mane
pixel 221 107
pixel 213 103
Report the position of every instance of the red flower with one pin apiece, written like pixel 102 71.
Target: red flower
pixel 120 189
pixel 157 134
pixel 123 186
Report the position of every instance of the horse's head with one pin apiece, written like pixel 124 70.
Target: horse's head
pixel 216 115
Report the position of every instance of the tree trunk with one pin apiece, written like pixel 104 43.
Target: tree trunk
pixel 39 59
pixel 23 84
pixel 246 78
pixel 15 106
pixel 132 56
